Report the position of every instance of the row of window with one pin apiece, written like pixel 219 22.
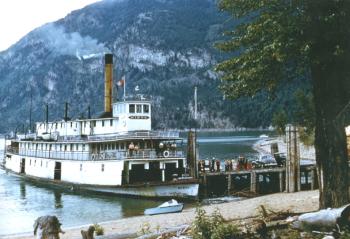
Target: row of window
pixel 138 108
pixel 62 126
pixel 55 147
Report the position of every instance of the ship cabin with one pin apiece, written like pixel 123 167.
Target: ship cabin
pixel 124 136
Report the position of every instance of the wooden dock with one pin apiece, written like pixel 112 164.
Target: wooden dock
pixel 253 181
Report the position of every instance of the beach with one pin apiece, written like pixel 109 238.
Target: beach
pixel 299 202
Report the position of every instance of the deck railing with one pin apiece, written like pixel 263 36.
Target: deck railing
pixel 106 155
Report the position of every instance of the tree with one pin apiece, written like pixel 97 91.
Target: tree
pixel 283 40
pixel 279 121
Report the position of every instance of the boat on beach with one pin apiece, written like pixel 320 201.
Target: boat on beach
pixel 171 206
pixel 115 153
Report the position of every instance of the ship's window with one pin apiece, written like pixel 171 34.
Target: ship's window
pixel 111 122
pixel 83 147
pixel 71 124
pixel 76 147
pixel 103 123
pixel 76 124
pixel 65 147
pixel 84 124
pixel 138 108
pixel 71 147
pixel 34 162
pixel 142 145
pixel 56 125
pixel 105 147
pixel 61 125
pixel 81 167
pixel 117 145
pixel 131 108
pixel 94 123
pixel 50 147
pixel 113 146
pixel 102 167
pixel 60 147
pixel 145 108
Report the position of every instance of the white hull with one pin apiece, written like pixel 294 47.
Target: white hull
pixel 92 178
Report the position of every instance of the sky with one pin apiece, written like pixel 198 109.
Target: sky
pixel 19 17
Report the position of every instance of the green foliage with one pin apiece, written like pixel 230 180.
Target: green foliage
pixel 145 228
pixel 267 45
pixel 279 121
pixel 212 227
pixel 99 230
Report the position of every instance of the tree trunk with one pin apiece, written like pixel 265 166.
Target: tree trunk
pixel 330 138
pixel 330 73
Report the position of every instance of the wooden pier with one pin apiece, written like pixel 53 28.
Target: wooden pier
pixel 253 181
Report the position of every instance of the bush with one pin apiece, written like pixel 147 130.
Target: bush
pixel 212 227
pixel 99 230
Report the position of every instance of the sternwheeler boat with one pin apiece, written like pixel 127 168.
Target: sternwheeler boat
pixel 117 153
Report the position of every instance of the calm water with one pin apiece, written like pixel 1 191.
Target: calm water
pixel 22 202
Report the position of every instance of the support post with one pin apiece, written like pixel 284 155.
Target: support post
pixel 253 181
pixel 229 182
pixel 192 154
pixel 280 179
pixel 205 185
pixel 293 159
pixel 312 176
pixel 163 175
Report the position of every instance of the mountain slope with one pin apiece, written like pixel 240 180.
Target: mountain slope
pixel 163 46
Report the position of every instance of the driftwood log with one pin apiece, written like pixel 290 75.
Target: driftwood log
pixel 47 227
pixel 324 220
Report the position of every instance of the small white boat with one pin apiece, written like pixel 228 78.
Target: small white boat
pixel 263 136
pixel 167 207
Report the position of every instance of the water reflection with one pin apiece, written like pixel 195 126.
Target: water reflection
pixel 22 187
pixel 58 199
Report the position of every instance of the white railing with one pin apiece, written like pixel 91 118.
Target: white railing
pixel 107 155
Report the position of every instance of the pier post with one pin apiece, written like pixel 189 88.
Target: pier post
pixel 293 159
pixel 163 175
pixel 280 179
pixel 229 183
pixel 192 154
pixel 312 176
pixel 253 181
pixel 205 185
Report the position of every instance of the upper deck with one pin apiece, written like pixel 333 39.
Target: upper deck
pixel 127 116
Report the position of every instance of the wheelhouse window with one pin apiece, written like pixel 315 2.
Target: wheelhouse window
pixel 103 123
pixel 102 167
pixel 111 122
pixel 145 108
pixel 131 108
pixel 138 108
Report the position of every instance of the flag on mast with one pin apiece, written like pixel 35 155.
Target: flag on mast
pixel 122 83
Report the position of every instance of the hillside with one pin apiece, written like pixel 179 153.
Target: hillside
pixel 164 47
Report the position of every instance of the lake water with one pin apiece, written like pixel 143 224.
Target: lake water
pixel 22 202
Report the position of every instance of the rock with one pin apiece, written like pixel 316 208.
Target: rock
pixel 47 227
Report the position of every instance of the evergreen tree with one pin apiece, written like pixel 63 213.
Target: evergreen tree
pixel 285 40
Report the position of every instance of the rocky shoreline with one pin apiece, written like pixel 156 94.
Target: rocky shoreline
pixel 238 210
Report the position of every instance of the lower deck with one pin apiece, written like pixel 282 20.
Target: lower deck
pixel 102 172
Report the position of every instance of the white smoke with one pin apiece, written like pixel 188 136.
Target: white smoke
pixel 63 43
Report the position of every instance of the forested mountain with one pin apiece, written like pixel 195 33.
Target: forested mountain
pixel 166 47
